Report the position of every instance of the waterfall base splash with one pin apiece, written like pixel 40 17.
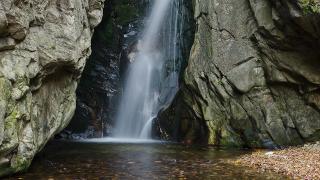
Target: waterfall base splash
pixel 121 140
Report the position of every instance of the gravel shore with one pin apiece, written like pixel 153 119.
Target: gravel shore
pixel 295 162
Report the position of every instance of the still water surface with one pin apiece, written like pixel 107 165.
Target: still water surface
pixel 98 160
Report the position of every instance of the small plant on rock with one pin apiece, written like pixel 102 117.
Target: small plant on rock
pixel 310 6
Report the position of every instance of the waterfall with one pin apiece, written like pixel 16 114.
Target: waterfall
pixel 152 76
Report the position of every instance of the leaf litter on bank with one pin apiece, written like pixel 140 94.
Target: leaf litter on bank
pixel 295 162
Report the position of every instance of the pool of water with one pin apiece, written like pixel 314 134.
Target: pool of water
pixel 111 160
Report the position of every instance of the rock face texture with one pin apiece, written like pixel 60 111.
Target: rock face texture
pixel 253 77
pixel 43 48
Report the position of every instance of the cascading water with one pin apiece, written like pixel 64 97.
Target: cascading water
pixel 152 76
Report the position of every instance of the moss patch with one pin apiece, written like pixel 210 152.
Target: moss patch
pixel 5 87
pixel 310 6
pixel 125 13
pixel 20 163
pixel 10 140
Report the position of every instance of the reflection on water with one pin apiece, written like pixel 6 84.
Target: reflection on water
pixel 76 160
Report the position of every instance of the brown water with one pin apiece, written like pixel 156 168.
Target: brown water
pixel 72 160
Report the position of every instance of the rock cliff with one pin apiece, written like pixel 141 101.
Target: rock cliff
pixel 253 77
pixel 44 45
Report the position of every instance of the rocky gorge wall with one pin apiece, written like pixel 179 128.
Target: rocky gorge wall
pixel 253 77
pixel 44 45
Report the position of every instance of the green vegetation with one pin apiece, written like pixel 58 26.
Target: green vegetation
pixel 20 163
pixel 5 89
pixel 310 6
pixel 107 33
pixel 123 12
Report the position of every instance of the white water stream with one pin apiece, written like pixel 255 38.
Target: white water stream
pixel 152 77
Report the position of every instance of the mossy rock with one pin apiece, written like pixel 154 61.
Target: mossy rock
pixel 310 6
pixel 5 87
pixel 20 163
pixel 5 94
pixel 17 164
pixel 10 139
pixel 230 139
